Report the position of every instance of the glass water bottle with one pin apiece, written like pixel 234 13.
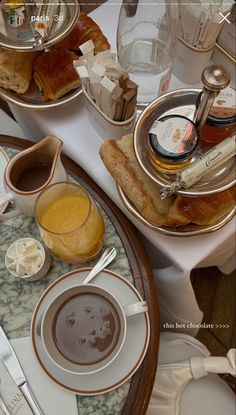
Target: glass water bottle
pixel 145 46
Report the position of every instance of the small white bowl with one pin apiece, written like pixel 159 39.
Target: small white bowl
pixel 43 268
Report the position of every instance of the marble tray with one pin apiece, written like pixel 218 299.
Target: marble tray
pixel 18 299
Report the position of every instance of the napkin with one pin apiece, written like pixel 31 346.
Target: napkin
pixel 52 399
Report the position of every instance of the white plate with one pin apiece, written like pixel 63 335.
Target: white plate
pixel 33 98
pixel 3 163
pixel 131 355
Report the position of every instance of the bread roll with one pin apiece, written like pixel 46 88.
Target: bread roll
pixel 54 73
pixel 16 70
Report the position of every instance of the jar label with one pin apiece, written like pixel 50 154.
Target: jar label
pixel 224 104
pixel 174 134
pixel 164 83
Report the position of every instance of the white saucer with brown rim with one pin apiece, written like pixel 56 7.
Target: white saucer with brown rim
pixel 131 355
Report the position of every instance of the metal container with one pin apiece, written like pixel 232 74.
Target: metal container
pixel 181 102
pixel 106 127
pixel 33 98
pixel 187 230
pixel 18 30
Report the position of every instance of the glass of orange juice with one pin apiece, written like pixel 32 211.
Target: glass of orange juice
pixel 70 223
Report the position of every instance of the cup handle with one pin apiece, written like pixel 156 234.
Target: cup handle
pixel 135 308
pixel 4 198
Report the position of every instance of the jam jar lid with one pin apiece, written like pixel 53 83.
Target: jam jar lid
pixel 223 111
pixel 173 138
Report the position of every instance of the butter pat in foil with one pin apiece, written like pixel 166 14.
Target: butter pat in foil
pixel 214 158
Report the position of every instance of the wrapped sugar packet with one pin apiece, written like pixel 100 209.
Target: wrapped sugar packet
pixel 215 157
pixel 87 48
pixel 83 74
pixel 84 77
pixel 114 71
pixel 117 99
pixel 119 107
pixel 130 98
pixel 100 57
pixel 96 74
pixel 107 102
pixel 98 69
pixel 87 59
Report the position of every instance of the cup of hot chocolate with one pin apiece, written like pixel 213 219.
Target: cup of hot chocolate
pixel 84 328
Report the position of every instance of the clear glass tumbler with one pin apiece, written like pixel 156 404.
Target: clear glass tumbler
pixel 70 223
pixel 145 46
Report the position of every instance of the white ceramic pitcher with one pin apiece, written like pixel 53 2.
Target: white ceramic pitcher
pixel 46 152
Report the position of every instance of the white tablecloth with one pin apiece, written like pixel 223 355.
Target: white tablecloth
pixel 173 258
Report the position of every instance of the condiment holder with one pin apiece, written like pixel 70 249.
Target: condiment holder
pixel 221 121
pixel 110 95
pixel 106 127
pixel 27 259
pixel 182 104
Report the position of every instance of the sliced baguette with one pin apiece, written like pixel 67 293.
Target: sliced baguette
pixel 119 158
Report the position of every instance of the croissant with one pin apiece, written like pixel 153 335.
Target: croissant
pixel 54 73
pixel 84 30
pixel 203 210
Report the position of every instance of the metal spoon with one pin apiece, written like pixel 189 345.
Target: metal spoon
pixel 108 255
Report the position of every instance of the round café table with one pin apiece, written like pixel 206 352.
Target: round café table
pixel 134 266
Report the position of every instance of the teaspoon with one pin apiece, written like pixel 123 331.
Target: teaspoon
pixel 108 255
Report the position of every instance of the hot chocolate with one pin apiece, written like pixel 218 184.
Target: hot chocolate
pixel 86 328
pixel 32 178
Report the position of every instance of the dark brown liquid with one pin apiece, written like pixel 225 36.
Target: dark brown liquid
pixel 86 328
pixel 32 178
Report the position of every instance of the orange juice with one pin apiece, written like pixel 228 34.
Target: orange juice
pixel 65 213
pixel 70 223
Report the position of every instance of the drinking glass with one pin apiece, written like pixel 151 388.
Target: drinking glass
pixel 145 38
pixel 70 223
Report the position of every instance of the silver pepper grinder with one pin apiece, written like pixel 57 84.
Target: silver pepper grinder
pixel 214 78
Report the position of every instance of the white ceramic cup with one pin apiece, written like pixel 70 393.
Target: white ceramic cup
pixel 48 322
pixel 189 62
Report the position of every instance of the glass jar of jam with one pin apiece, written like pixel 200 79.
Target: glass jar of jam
pixel 221 121
pixel 172 141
